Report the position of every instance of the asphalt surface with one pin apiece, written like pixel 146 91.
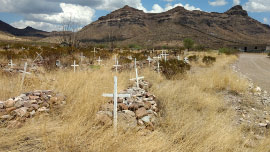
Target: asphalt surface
pixel 257 68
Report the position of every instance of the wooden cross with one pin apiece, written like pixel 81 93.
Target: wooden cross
pixel 99 60
pixel 116 66
pixel 115 96
pixel 186 60
pixel 94 51
pixel 178 57
pixel 130 57
pixel 74 66
pixel 11 64
pixel 158 57
pixel 165 56
pixel 149 60
pixel 115 58
pixel 81 57
pixel 137 78
pixel 24 73
pixel 38 56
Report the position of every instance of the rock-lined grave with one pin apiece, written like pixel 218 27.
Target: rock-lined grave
pixel 140 111
pixel 15 111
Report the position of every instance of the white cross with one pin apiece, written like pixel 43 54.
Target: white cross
pixel 11 64
pixel 158 57
pixel 82 57
pixel 186 60
pixel 58 63
pixel 24 72
pixel 130 57
pixel 115 95
pixel 149 60
pixel 38 56
pixel 99 60
pixel 137 78
pixel 116 66
pixel 178 57
pixel 94 51
pixel 165 56
pixel 74 66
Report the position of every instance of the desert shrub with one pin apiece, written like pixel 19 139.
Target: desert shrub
pixel 188 43
pixel 269 54
pixel 193 58
pixel 209 60
pixel 228 51
pixel 172 67
pixel 124 60
pixel 134 46
pixel 139 56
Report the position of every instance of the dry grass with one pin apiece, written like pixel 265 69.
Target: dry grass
pixel 193 116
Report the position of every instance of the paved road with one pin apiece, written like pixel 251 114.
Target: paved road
pixel 257 68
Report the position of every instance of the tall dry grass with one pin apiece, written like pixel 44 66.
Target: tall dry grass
pixel 193 116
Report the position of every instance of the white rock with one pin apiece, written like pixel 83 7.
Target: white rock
pixel 262 124
pixel 146 119
pixel 43 109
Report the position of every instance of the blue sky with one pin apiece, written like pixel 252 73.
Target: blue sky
pixel 49 15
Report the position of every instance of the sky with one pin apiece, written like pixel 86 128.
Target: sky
pixel 50 15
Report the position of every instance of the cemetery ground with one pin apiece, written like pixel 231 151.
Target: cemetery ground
pixel 209 108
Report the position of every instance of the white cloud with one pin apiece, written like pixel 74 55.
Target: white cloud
pixel 236 2
pixel 265 20
pixel 218 2
pixel 158 9
pixel 38 25
pixel 80 15
pixel 257 6
pixel 168 0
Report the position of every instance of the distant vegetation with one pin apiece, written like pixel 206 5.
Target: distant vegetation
pixel 188 43
pixel 228 51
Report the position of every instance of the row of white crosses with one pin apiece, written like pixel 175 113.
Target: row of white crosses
pixel 11 64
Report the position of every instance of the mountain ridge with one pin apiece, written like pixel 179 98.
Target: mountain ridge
pixel 130 25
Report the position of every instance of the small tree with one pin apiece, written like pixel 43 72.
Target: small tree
pixel 188 43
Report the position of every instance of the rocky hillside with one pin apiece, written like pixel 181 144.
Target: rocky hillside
pixel 28 31
pixel 129 25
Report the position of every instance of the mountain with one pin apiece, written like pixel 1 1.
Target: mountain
pixel 129 25
pixel 28 31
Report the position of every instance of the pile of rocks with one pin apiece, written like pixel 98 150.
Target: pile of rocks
pixel 138 112
pixel 15 111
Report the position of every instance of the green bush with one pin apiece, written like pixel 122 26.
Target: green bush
pixel 209 60
pixel 134 46
pixel 228 51
pixel 193 58
pixel 188 43
pixel 172 67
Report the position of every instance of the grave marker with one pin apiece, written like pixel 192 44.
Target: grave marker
pixel 58 63
pixel 94 52
pixel 11 64
pixel 38 56
pixel 137 78
pixel 81 57
pixel 24 73
pixel 149 60
pixel 115 96
pixel 116 66
pixel 74 66
pixel 178 57
pixel 99 60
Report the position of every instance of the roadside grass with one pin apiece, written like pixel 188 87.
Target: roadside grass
pixel 193 116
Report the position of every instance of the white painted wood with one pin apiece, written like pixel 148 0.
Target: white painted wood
pixel 94 51
pixel 178 57
pixel 38 56
pixel 158 67
pixel 81 57
pixel 116 66
pixel 24 73
pixel 149 60
pixel 137 78
pixel 186 60
pixel 99 60
pixel 74 66
pixel 135 63
pixel 11 64
pixel 157 58
pixel 115 95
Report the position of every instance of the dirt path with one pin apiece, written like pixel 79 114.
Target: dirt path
pixel 257 68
